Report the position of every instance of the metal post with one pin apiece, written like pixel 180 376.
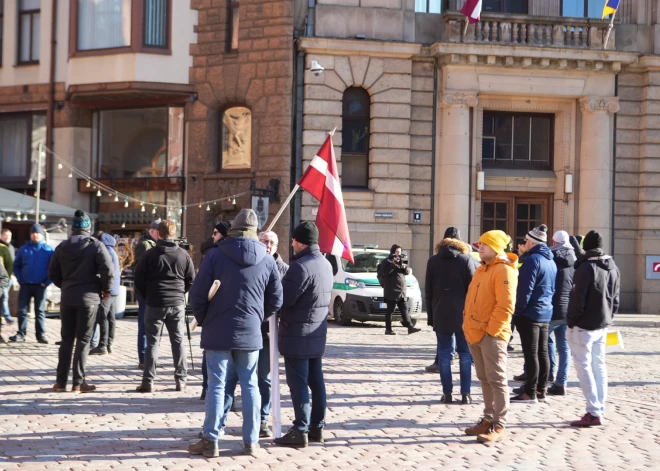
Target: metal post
pixel 609 30
pixel 38 193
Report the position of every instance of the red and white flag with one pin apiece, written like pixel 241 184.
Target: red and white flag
pixel 472 9
pixel 321 179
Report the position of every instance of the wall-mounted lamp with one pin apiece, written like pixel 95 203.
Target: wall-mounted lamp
pixel 568 186
pixel 481 181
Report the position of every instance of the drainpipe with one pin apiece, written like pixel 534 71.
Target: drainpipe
pixel 433 149
pixel 616 93
pixel 311 19
pixel 50 114
pixel 296 165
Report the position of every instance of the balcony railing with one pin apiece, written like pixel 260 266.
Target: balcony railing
pixel 524 30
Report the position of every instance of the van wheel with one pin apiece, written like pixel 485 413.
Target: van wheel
pixel 340 316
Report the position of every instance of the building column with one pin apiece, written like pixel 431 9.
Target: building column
pixel 595 181
pixel 452 194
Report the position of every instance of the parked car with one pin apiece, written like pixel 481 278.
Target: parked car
pixel 357 294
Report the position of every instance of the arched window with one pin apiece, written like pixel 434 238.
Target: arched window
pixel 355 138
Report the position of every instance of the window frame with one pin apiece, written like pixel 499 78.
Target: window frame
pixel 344 154
pixel 137 44
pixel 586 11
pixel 519 164
pixel 503 4
pixel 428 7
pixel 233 26
pixel 28 117
pixel 2 27
pixel 19 28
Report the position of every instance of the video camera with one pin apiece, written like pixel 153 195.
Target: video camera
pixel 183 243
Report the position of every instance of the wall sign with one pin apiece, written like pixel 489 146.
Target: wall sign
pixel 653 267
pixel 417 216
pixel 384 215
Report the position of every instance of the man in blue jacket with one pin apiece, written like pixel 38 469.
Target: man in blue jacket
pixel 536 287
pixel 105 316
pixel 31 271
pixel 303 330
pixel 250 291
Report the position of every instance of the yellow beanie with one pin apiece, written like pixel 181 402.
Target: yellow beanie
pixel 496 240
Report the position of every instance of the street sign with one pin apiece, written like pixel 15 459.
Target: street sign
pixel 384 215
pixel 417 216
pixel 653 267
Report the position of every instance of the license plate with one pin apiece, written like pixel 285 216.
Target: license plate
pixel 383 305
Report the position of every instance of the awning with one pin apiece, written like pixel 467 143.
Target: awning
pixel 12 202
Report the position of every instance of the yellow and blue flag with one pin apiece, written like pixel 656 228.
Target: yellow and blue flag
pixel 610 7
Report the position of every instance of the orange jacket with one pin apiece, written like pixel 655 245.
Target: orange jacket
pixel 491 299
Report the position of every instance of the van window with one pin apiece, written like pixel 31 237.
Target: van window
pixel 366 262
pixel 333 261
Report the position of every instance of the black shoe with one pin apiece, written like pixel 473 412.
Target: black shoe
pixel 141 366
pixel 446 399
pixel 551 379
pixel 109 348
pixel 264 430
pixel 315 435
pixel 294 439
pixel 180 385
pixel 17 338
pixel 413 330
pixel 509 348
pixel 524 399
pixel 98 351
pixel 540 396
pixel 389 332
pixel 466 399
pixel 204 447
pixel 144 388
pixel 203 396
pixel 556 390
pixel 43 341
pixel 520 378
pixel 58 343
pixel 434 368
pixel 519 390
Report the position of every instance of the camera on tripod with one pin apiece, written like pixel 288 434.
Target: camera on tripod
pixel 183 243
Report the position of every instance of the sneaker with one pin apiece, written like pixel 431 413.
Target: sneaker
pixel 315 435
pixel 434 368
pixel 17 338
pixel 495 433
pixel 250 449
pixel 520 378
pixel 180 385
pixel 518 390
pixel 540 396
pixel 42 341
pixel 293 439
pixel 144 388
pixel 482 427
pixel 523 398
pixel 556 390
pixel 389 332
pixel 413 330
pixel 587 421
pixel 98 351
pixel 264 430
pixel 466 399
pixel 204 447
pixel 83 388
pixel 58 388
pixel 446 399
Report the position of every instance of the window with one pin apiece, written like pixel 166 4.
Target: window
pixel 29 25
pixel 356 113
pixel 20 137
pixel 505 6
pixel 582 8
pixel 236 138
pixel 232 30
pixel 515 213
pixel 517 140
pixel 155 23
pixel 103 24
pixel 428 6
pixel 2 18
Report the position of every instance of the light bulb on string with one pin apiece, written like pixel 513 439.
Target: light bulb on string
pixel 109 195
pixel 180 210
pixel 30 181
pixel 98 193
pixel 70 175
pixel 153 211
pixel 125 203
pixel 200 206
pixel 123 225
pixel 142 208
pixel 116 198
pixel 233 201
pixel 43 217
pixel 25 217
pixel 60 166
pixel 208 208
pixel 18 214
pixel 88 184
pixel 8 219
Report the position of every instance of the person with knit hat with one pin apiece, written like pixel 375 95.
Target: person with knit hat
pixel 82 268
pixel 392 274
pixel 593 303
pixel 536 287
pixel 31 272
pixel 489 305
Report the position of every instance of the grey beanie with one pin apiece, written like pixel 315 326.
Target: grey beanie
pixel 246 220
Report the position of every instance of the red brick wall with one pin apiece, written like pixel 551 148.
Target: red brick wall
pixel 258 76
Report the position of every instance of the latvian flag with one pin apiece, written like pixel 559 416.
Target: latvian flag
pixel 472 9
pixel 321 179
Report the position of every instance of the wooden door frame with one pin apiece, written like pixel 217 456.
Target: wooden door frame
pixel 511 197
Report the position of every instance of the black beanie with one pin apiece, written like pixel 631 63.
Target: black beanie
pixel 393 248
pixel 306 233
pixel 593 240
pixel 223 228
pixel 452 233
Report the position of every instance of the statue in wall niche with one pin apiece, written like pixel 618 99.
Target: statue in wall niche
pixel 236 138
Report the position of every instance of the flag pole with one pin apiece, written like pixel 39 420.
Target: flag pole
pixel 609 30
pixel 467 23
pixel 283 207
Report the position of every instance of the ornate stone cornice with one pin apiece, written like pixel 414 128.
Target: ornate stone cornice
pixel 597 103
pixel 451 98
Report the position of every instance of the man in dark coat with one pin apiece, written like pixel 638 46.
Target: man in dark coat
pixel 392 276
pixel 307 289
pixel 163 277
pixel 82 268
pixel 249 292
pixel 448 276
pixel 536 286
pixel 105 317
pixel 564 258
pixel 593 303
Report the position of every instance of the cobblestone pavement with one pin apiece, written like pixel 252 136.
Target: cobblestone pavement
pixel 383 413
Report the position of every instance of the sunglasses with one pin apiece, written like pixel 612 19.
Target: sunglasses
pixel 215 233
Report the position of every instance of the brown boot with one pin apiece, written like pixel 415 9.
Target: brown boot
pixel 482 426
pixel 494 434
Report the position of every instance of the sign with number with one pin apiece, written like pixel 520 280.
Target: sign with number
pixel 384 215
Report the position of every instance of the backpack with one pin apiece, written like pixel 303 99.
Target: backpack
pixel 380 275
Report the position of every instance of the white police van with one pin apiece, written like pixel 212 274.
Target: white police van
pixel 356 292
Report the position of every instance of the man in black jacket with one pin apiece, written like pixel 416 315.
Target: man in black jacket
pixel 392 275
pixel 162 278
pixel 448 276
pixel 82 268
pixel 593 302
pixel 307 289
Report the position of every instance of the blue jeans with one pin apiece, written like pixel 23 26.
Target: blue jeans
pixel 447 344
pixel 303 374
pixel 218 363
pixel 560 345
pixel 263 380
pixel 5 301
pixel 38 292
pixel 142 333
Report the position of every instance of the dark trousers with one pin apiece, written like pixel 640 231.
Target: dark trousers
pixel 174 319
pixel 205 374
pixel 141 336
pixel 77 325
pixel 106 321
pixel 27 292
pixel 534 340
pixel 403 308
pixel 303 374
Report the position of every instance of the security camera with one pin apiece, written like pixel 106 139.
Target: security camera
pixel 316 68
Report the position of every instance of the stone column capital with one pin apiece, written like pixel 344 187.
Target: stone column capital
pixel 592 104
pixel 459 98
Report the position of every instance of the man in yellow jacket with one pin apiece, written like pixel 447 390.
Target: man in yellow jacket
pixel 489 305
